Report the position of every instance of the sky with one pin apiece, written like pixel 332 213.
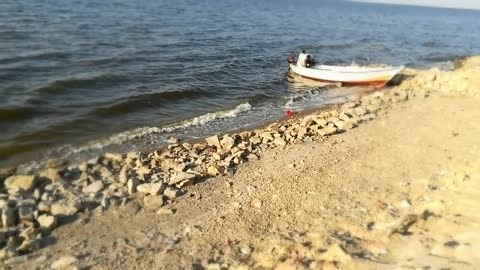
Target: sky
pixel 465 4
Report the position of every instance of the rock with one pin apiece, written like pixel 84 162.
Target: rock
pixel 181 178
pixel 327 131
pixel 94 187
pixel 50 175
pixel 302 131
pixel 321 122
pixel 115 157
pixel 405 204
pixel 252 157
pixel 360 111
pixel 64 262
pixel 245 135
pixel 255 140
pixel 153 202
pixel 344 125
pixel 280 141
pixel 151 188
pixel 212 170
pixel 47 222
pixel 172 192
pixel 165 211
pixel 123 174
pixel 44 206
pixel 180 167
pixel 28 246
pixel 307 121
pixel 105 202
pixel 349 105
pixel 64 208
pixel 8 217
pixel 227 142
pixel 214 141
pixel 257 203
pixel 25 212
pixel 246 250
pixel 172 140
pixel 20 183
pixel 132 185
pixel 267 136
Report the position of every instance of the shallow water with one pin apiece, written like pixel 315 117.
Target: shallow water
pixel 80 77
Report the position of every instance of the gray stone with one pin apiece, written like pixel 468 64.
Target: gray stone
pixel 94 187
pixel 8 217
pixel 25 212
pixel 48 222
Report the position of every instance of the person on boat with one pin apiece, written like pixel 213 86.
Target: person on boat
pixel 301 59
pixel 309 61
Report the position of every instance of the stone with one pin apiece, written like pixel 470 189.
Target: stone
pixel 44 206
pixel 255 140
pixel 105 202
pixel 115 157
pixel 165 211
pixel 214 141
pixel 20 183
pixel 405 204
pixel 267 136
pixel 326 131
pixel 9 218
pixel 64 262
pixel 47 222
pixel 302 131
pixel 181 177
pixel 151 188
pixel 344 125
pixel 227 142
pixel 64 208
pixel 25 212
pixel 172 193
pixel 132 185
pixel 152 202
pixel 280 141
pixel 123 174
pixel 212 170
pixel 172 140
pixel 349 105
pixel 257 203
pixel 360 111
pixel 307 121
pixel 28 246
pixel 50 175
pixel 252 157
pixel 321 122
pixel 245 135
pixel 94 187
pixel 246 250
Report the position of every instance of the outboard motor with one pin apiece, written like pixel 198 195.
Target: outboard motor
pixel 290 59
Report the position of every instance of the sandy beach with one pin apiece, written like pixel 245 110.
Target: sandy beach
pixel 390 180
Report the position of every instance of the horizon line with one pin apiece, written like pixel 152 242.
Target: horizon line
pixel 413 4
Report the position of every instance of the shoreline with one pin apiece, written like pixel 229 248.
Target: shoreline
pixel 34 205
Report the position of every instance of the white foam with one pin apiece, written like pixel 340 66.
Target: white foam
pixel 145 131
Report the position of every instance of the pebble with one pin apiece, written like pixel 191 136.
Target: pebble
pixel 47 221
pixel 405 204
pixel 94 187
pixel 132 185
pixel 64 262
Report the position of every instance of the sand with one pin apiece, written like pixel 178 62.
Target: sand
pixel 398 192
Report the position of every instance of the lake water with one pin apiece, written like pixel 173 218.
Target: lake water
pixel 84 76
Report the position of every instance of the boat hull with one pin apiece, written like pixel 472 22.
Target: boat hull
pixel 348 76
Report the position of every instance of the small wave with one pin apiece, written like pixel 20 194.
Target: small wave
pixel 15 114
pixel 62 85
pixel 145 131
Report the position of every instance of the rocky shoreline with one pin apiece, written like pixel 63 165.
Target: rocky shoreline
pixel 32 205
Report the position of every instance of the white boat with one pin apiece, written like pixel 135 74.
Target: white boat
pixel 348 75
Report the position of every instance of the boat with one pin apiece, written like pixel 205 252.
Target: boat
pixel 347 75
